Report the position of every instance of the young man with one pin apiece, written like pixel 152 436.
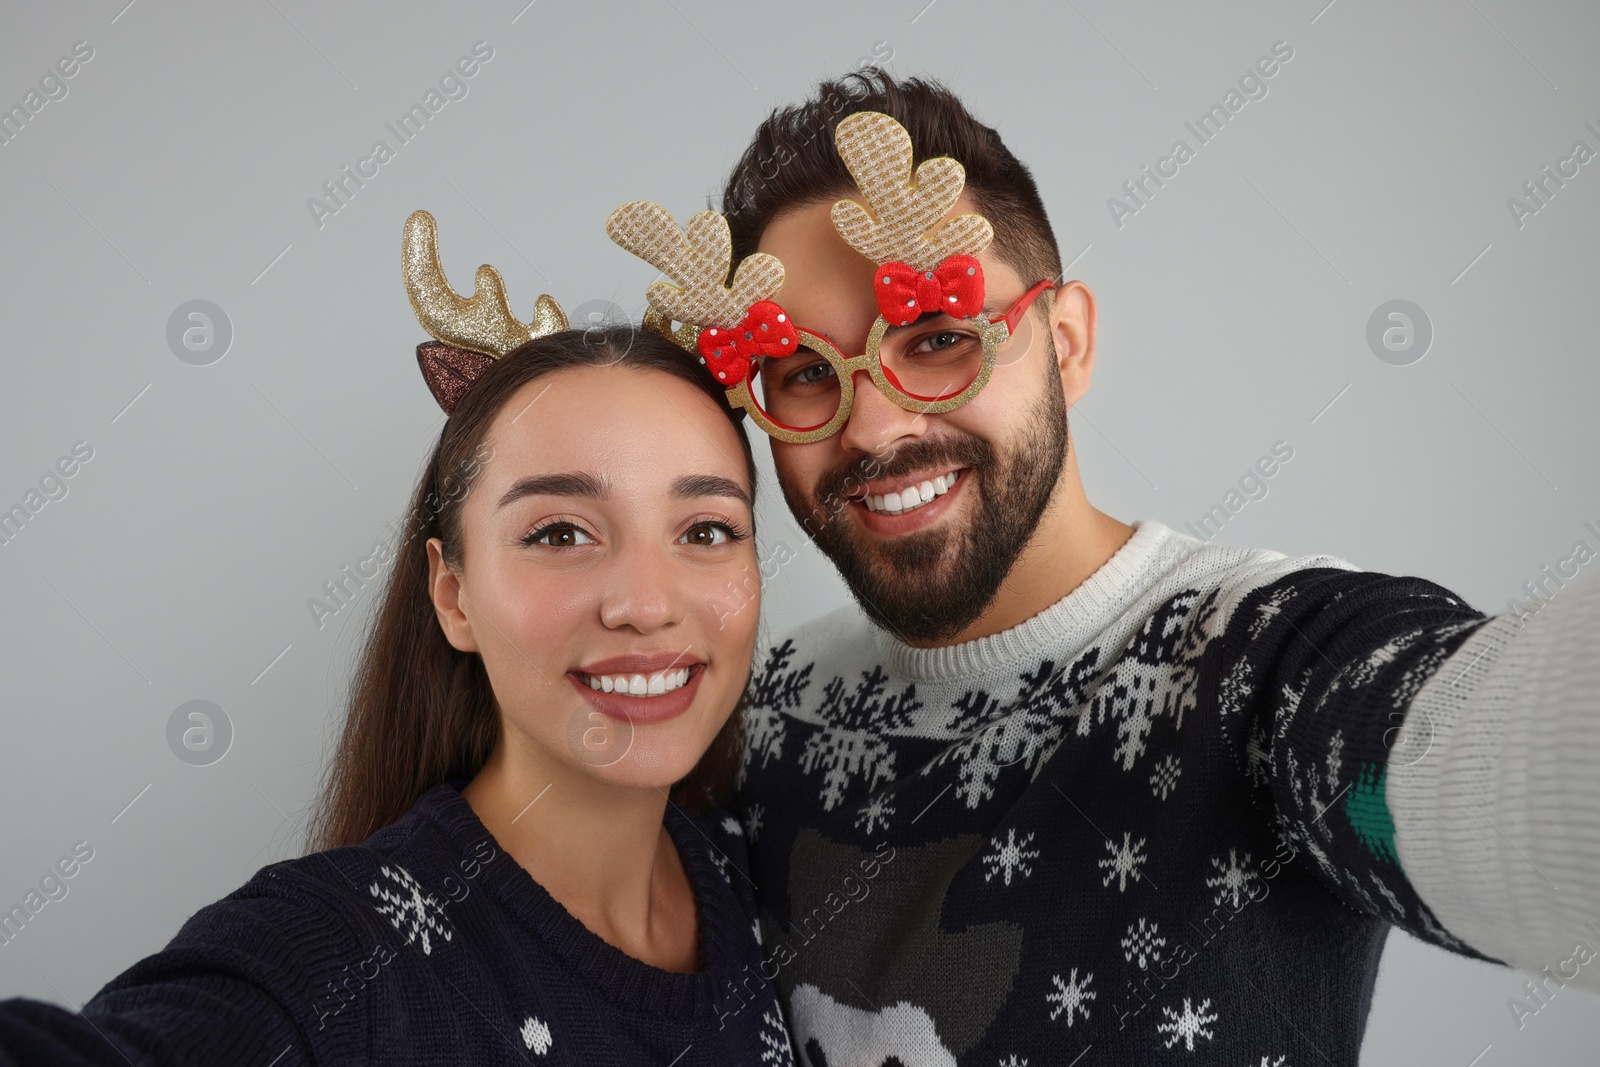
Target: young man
pixel 1060 783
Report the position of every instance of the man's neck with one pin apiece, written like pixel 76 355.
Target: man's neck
pixel 1073 540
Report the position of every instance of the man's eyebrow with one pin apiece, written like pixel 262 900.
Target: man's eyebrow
pixel 922 320
pixel 692 485
pixel 569 483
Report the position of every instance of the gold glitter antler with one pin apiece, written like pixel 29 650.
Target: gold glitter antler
pixel 905 206
pixel 696 259
pixel 484 323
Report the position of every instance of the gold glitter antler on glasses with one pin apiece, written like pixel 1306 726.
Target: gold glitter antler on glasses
pixel 729 325
pixel 471 332
pixel 924 266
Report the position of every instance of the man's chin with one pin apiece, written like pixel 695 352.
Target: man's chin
pixel 911 585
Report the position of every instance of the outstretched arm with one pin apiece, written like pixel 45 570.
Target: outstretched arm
pixel 1437 768
pixel 246 981
pixel 1497 808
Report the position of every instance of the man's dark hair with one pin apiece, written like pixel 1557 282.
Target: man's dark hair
pixel 791 162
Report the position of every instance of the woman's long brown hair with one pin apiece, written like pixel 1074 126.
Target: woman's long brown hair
pixel 420 710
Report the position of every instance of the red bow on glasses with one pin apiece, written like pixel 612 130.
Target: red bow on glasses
pixel 954 287
pixel 765 330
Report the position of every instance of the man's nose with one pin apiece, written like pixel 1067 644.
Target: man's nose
pixel 875 421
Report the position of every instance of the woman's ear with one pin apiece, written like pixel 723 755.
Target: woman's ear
pixel 444 587
pixel 1072 322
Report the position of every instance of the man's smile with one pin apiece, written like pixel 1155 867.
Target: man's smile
pixel 908 494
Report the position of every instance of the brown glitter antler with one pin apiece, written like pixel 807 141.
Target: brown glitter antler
pixel 905 206
pixel 696 259
pixel 472 332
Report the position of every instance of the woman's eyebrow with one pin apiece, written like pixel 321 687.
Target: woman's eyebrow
pixel 570 483
pixel 583 483
pixel 689 486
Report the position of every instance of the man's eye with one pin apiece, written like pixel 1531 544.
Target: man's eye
pixel 938 342
pixel 559 535
pixel 810 374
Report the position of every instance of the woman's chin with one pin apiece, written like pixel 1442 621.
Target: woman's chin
pixel 648 765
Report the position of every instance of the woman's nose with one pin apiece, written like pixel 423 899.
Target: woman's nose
pixel 643 593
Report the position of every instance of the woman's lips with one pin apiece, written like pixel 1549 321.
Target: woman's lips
pixel 645 709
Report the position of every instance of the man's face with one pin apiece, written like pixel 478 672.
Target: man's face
pixel 924 570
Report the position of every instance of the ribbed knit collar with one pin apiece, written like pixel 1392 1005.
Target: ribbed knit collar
pixel 630 982
pixel 1060 630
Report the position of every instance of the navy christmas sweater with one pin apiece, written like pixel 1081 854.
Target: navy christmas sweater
pixel 427 944
pixel 1145 826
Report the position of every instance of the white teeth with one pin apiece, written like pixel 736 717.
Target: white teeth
pixel 637 684
pixel 911 497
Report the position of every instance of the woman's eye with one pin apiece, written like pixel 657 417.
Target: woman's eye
pixel 708 534
pixel 559 535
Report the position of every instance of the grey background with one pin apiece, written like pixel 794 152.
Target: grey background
pixel 1233 313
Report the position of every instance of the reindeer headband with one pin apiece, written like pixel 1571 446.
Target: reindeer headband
pixel 926 268
pixel 471 333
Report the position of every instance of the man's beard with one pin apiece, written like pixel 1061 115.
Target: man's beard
pixel 930 585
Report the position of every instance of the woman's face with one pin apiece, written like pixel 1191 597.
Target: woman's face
pixel 609 577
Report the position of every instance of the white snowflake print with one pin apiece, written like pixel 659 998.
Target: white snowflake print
pixel 851 745
pixel 536 1035
pixel 755 929
pixel 752 820
pixel 731 825
pixel 845 755
pixel 421 911
pixel 774 690
pixel 1123 862
pixel 1071 996
pixel 1188 1024
pixel 775 1040
pixel 1010 858
pixel 763 739
pixel 1232 880
pixel 721 862
pixel 875 813
pixel 1014 1060
pixel 1281 1061
pixel 1142 944
pixel 997 735
pixel 1164 779
pixel 1155 677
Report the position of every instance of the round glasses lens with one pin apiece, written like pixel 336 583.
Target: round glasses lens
pixel 934 359
pixel 800 391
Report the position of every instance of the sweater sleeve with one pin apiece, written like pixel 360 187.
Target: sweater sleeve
pixel 246 981
pixel 1314 672
pixel 1497 810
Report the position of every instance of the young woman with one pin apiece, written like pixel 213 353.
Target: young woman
pixel 509 871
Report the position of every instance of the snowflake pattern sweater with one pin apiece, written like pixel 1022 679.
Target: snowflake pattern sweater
pixel 427 944
pixel 1149 822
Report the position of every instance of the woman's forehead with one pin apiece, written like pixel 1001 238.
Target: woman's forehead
pixel 641 426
